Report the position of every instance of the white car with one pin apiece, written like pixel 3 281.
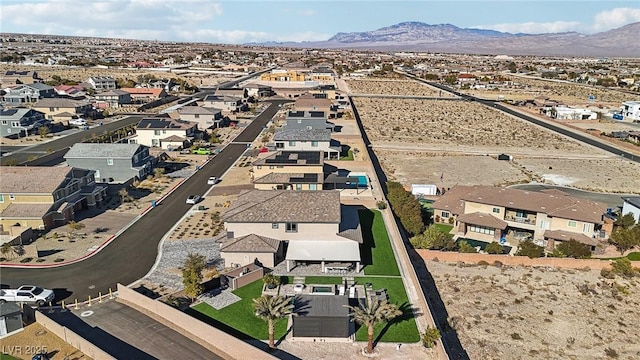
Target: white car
pixel 193 199
pixel 28 294
pixel 212 180
pixel 77 122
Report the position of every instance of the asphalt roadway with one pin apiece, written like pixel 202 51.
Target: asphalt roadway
pixel 132 254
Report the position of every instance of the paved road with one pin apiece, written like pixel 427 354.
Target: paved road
pixel 26 152
pixel 133 253
pixel 125 333
pixel 612 200
pixel 545 124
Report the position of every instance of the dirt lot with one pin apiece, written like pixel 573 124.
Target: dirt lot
pixel 393 87
pixel 24 344
pixel 539 313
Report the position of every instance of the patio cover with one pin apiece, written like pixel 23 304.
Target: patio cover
pixel 319 250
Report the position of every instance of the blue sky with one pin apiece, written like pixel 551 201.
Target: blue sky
pixel 237 21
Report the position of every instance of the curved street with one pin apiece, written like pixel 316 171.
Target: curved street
pixel 132 254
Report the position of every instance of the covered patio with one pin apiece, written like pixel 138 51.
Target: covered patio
pixel 334 252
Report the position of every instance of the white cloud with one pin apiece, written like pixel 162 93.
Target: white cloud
pixel 602 21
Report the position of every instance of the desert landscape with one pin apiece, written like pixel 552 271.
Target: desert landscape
pixel 394 87
pixel 504 312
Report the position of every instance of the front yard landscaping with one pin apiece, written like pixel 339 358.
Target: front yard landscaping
pixel 376 252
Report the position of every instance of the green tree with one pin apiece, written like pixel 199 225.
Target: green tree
pixel 625 239
pixel 574 249
pixel 430 337
pixel 371 313
pixel 433 239
pixel 192 275
pixel 528 248
pixel 271 280
pixel 464 247
pixel 271 308
pixel 623 267
pixel 512 67
pixel 625 221
pixel 493 248
pixel 406 207
pixel 451 79
pixel 73 227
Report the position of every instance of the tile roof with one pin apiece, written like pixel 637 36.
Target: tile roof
pixel 302 135
pixel 154 92
pixel 101 151
pixel 562 235
pixel 268 206
pixel 292 158
pixel 21 211
pixel 113 92
pixel 32 179
pixel 193 110
pixel 60 103
pixel 163 123
pixel 251 243
pixel 483 219
pixel 281 178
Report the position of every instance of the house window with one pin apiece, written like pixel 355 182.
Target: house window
pixel 572 223
pixel 586 228
pixel 292 143
pixel 279 145
pixel 292 227
pixel 274 225
pixel 445 214
pixel 1 198
pixel 298 186
pixel 481 229
pixel 109 161
pixel 15 124
pixel 156 132
pixel 197 116
pixel 313 186
pixel 496 210
pixel 314 143
pixel 52 109
pixel 12 197
pixel 259 167
pixel 270 167
pixel 4 122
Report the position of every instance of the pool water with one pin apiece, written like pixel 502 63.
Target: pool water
pixel 322 289
pixel 362 180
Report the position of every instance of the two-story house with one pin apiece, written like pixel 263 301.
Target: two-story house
pixel 307 120
pixel 205 117
pixel 258 90
pixel 145 95
pixel 307 140
pixel 631 205
pixel 309 102
pixel 43 197
pixel 228 104
pixel 59 110
pixel 289 170
pixel 17 77
pixel 112 99
pixel 19 122
pixel 165 133
pixel 486 213
pixel 315 226
pixel 28 93
pixel 102 83
pixel 112 163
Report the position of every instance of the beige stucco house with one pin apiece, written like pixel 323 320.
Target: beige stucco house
pixel 165 133
pixel 252 248
pixel 289 170
pixel 315 226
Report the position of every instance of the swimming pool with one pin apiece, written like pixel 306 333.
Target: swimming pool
pixel 323 289
pixel 363 179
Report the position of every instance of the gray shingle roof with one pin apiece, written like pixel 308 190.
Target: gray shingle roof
pixel 251 243
pixel 101 151
pixel 302 135
pixel 193 110
pixel 268 206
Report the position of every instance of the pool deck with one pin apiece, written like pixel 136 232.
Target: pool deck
pixel 288 290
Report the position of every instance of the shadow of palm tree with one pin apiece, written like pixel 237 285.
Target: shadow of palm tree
pixel 408 313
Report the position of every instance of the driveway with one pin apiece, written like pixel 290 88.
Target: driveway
pixel 126 333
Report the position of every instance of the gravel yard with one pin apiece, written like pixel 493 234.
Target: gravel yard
pixel 539 313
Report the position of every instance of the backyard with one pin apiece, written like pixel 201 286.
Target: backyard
pixel 376 250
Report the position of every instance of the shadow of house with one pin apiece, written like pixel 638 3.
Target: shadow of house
pixel 438 310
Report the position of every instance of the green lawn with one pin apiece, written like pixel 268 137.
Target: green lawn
pixel 443 227
pixel 7 357
pixel 634 256
pixel 240 316
pixel 348 156
pixel 376 251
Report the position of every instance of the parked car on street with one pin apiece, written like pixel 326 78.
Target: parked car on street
pixel 78 122
pixel 212 180
pixel 28 294
pixel 193 199
pixel 202 151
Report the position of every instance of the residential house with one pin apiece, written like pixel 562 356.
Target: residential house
pixel 58 110
pixel 307 140
pixel 14 77
pixel 41 197
pixel 229 104
pixel 307 120
pixel 632 205
pixel 316 227
pixel 258 90
pixel 112 99
pixel 321 74
pixel 28 93
pixel 568 113
pixel 308 102
pixel 74 92
pixel 102 83
pixel 326 92
pixel 282 75
pixel 112 163
pixel 252 248
pixel 289 170
pixel 164 133
pixel 206 118
pixel 145 95
pixel 486 213
pixel 19 122
pixel 232 92
pixel 631 109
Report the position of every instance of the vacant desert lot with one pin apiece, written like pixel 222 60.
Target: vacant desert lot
pixel 394 87
pixel 539 313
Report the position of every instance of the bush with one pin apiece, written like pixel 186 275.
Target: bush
pixel 574 249
pixel 497 264
pixel 381 205
pixel 430 337
pixel 529 249
pixel 58 260
pixel 493 248
pixel 26 260
pixel 622 267
pixel 482 263
pixel 607 274
pixel 464 247
pixel 516 336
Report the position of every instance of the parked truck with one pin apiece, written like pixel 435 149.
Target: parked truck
pixel 27 294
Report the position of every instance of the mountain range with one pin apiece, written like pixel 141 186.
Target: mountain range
pixel 447 38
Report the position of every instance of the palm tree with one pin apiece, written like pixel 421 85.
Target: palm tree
pixel 372 313
pixel 271 308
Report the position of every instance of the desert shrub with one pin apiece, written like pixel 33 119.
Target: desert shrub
pixel 40 260
pixel 493 248
pixel 482 263
pixel 430 337
pixel 607 274
pixel 530 249
pixel 611 353
pixel 451 220
pixel 622 267
pixel 26 260
pixel 58 260
pixel 497 264
pixel 381 205
pixel 516 336
pixel 433 239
